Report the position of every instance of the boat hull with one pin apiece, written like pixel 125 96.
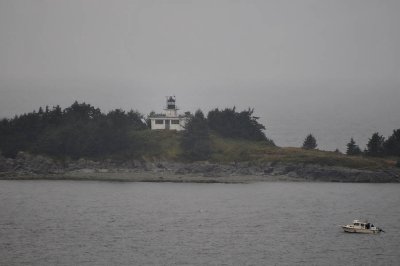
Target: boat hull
pixel 360 230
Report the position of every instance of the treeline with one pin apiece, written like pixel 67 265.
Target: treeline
pixel 228 123
pixel 377 146
pixel 80 130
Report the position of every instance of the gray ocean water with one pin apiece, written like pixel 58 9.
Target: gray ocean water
pixel 106 223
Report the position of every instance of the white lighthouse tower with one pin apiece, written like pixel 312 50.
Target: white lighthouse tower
pixel 170 119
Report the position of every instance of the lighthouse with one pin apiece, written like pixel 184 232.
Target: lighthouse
pixel 171 110
pixel 170 119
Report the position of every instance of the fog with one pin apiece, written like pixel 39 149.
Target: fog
pixel 331 68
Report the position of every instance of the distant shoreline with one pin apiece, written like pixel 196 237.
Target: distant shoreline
pixel 153 178
pixel 171 178
pixel 36 167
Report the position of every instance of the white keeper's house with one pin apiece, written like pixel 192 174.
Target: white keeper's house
pixel 170 119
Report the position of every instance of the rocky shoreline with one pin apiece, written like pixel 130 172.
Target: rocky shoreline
pixel 35 167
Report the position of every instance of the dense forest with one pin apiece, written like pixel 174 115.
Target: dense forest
pixel 82 130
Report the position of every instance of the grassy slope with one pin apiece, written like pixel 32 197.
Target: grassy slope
pixel 165 145
pixel 158 144
pixel 239 150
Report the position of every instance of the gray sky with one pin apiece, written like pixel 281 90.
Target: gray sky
pixel 329 67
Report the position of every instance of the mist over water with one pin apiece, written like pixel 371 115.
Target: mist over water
pixel 327 68
pixel 333 115
pixel 106 223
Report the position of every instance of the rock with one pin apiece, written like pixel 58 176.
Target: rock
pixel 86 171
pixel 102 170
pixel 31 165
pixel 268 170
pixel 181 171
pixel 160 165
pixel 245 171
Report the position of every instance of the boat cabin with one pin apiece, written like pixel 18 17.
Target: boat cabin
pixel 362 225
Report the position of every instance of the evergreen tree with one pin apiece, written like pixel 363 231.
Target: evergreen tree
pixel 77 131
pixel 375 145
pixel 232 124
pixel 195 140
pixel 82 112
pixel 392 144
pixel 352 148
pixel 310 142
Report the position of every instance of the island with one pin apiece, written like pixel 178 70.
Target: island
pixel 226 146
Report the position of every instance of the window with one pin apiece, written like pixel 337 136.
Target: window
pixel 175 122
pixel 159 121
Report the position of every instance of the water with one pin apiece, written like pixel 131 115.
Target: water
pixel 105 223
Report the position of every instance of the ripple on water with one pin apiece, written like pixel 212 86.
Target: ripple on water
pixel 104 223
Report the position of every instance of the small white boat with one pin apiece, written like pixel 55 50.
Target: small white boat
pixel 361 227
